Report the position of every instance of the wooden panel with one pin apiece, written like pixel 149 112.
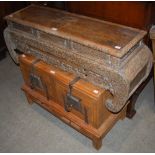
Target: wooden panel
pixel 53 4
pixel 41 71
pixel 127 13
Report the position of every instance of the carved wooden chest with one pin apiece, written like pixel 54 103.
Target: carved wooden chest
pixel 87 100
pixel 78 103
pixel 108 55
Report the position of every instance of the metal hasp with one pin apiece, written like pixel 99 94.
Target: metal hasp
pixel 36 81
pixel 74 102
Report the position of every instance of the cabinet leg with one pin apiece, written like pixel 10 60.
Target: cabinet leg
pixel 29 99
pixel 97 143
pixel 123 113
pixel 131 106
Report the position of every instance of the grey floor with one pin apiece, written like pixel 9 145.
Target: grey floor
pixel 25 128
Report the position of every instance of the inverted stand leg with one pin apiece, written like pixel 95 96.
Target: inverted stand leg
pixel 131 107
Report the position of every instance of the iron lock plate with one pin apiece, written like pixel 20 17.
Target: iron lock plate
pixel 72 101
pixel 35 81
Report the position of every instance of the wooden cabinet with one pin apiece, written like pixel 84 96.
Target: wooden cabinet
pixel 83 108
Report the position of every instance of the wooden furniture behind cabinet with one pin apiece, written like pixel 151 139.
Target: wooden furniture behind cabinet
pixel 5 9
